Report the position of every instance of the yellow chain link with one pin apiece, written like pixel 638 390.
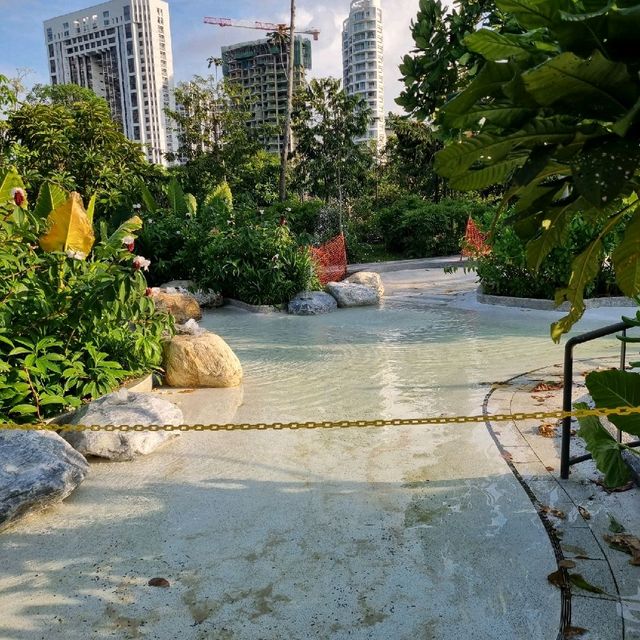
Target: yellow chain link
pixel 339 424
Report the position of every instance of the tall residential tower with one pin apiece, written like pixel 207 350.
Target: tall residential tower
pixel 362 62
pixel 122 51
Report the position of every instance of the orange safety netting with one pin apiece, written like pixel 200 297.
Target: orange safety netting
pixel 475 242
pixel 331 260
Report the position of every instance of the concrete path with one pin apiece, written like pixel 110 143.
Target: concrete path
pixel 397 533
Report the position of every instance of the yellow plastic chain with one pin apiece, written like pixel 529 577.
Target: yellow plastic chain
pixel 337 424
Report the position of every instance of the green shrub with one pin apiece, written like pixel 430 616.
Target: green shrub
pixel 71 328
pixel 504 271
pixel 256 263
pixel 415 228
pixel 239 252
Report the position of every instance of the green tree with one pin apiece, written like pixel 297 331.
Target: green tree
pixel 410 153
pixel 440 65
pixel 211 121
pixel 65 134
pixel 328 162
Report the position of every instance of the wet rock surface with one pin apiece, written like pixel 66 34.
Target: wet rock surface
pixel 348 294
pixel 37 469
pixel 123 408
pixel 312 303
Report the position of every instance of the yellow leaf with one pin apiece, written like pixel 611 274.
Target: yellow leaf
pixel 69 228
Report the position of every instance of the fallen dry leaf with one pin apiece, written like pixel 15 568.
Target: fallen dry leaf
pixel 553 512
pixel 558 579
pixel 627 543
pixel 548 430
pixel 549 385
pixel 574 632
pixel 159 582
pixel 584 513
pixel 624 487
pixel 566 564
pixel 549 469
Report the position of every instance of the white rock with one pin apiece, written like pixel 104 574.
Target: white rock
pixel 190 328
pixel 352 295
pixel 123 408
pixel 37 470
pixel 369 279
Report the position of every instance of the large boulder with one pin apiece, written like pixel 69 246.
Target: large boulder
pixel 368 279
pixel 37 470
pixel 312 303
pixel 182 306
pixel 205 297
pixel 348 294
pixel 203 360
pixel 123 408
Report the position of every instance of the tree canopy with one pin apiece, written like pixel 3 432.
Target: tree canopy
pixel 65 134
pixel 326 122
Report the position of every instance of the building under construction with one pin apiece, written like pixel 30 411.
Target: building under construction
pixel 260 67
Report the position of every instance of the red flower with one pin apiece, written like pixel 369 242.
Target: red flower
pixel 19 196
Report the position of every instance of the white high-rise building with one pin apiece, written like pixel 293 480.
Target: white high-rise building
pixel 362 62
pixel 122 51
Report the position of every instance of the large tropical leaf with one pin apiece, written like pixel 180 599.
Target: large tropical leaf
pixel 531 14
pixel 597 82
pixel 496 173
pixel 50 197
pixel 192 204
pixel 177 200
pixel 127 228
pixel 148 199
pixel 554 232
pixel 584 269
pixel 611 389
pixel 492 45
pixel 487 147
pixel 601 171
pixel 498 113
pixel 69 228
pixel 488 83
pixel 605 450
pixel 626 259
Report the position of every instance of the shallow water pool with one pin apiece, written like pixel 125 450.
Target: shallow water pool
pixel 394 361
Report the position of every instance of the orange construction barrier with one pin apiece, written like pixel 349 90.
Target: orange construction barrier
pixel 475 242
pixel 331 260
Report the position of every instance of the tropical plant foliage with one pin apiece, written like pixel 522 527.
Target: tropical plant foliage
pixel 74 318
pixel 554 114
pixel 236 251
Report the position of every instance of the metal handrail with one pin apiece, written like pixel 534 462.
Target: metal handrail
pixel 565 460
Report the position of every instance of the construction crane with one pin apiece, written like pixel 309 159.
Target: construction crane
pixel 261 26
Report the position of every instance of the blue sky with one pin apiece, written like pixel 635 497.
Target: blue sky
pixel 22 41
